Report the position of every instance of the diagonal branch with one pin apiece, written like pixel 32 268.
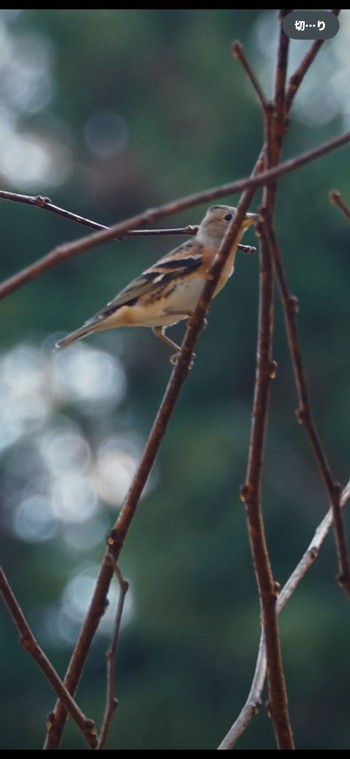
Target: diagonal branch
pixel 30 644
pixel 253 702
pixel 238 52
pixel 46 204
pixel 63 252
pixel 118 534
pixel 336 198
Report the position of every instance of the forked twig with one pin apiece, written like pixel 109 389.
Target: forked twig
pixel 253 702
pixel 31 645
pixel 46 203
pixel 304 416
pixel 111 700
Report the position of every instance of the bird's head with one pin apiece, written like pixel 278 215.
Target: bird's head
pixel 216 222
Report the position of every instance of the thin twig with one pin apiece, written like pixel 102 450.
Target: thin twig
pixel 30 644
pixel 47 205
pixel 111 700
pixel 336 198
pixel 253 702
pixel 304 415
pixel 63 252
pixel 238 52
pixel 281 123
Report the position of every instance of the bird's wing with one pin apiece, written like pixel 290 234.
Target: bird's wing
pixel 178 263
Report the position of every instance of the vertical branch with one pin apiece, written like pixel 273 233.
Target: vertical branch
pixel 251 495
pixel 304 415
pixel 275 124
pixel 111 700
pixel 290 305
pixel 251 492
pixel 280 88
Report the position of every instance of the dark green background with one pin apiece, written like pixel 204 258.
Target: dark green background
pixel 187 655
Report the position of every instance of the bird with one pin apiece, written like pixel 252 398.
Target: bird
pixel 168 291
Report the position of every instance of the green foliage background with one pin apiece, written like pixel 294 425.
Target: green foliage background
pixel 191 121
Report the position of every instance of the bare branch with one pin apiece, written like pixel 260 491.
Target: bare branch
pixel 336 198
pixel 47 205
pixel 304 416
pixel 238 52
pixel 280 83
pixel 274 127
pixel 253 702
pixel 30 644
pixel 269 653
pixel 251 495
pixel 111 700
pixel 63 252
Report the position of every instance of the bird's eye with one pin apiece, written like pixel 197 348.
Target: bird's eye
pixel 228 217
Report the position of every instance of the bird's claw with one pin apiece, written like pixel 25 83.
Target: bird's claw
pixel 174 359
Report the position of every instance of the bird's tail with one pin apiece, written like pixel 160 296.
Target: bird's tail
pixel 73 336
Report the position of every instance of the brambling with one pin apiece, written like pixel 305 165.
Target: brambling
pixel 169 290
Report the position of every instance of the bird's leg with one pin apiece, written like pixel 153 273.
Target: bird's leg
pixel 160 332
pixel 172 312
